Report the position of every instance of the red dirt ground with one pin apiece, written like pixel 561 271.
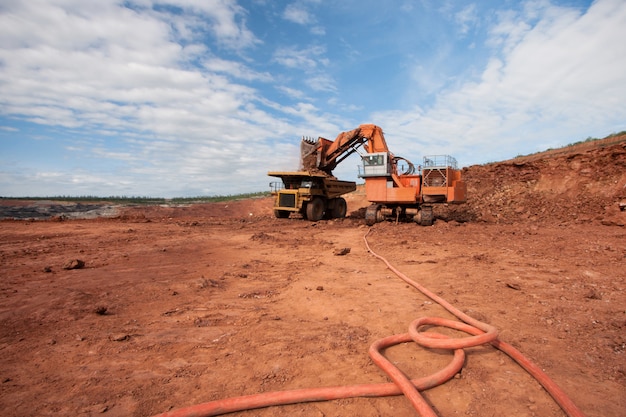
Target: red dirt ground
pixel 180 305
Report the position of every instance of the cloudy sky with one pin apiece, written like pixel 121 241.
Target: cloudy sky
pixel 168 98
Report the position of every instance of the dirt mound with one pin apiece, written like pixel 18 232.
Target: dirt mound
pixel 579 184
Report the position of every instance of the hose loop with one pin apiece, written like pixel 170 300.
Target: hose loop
pixel 482 332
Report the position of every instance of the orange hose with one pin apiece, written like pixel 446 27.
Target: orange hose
pixel 410 391
pixel 249 402
pixel 481 333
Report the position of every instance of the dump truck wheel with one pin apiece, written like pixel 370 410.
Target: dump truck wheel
pixel 315 209
pixel 281 214
pixel 340 208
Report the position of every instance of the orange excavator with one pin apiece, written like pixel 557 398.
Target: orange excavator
pixel 394 186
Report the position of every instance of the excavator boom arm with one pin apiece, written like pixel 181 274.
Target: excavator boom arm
pixel 324 154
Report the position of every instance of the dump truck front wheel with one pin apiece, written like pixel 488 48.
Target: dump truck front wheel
pixel 315 209
pixel 281 214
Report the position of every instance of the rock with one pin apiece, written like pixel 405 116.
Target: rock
pixel 101 310
pixel 74 264
pixel 341 252
pixel 120 337
pixel 593 295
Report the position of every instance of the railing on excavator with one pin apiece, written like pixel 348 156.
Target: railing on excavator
pixel 439 161
pixel 436 169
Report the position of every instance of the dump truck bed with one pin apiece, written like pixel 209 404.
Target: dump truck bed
pixel 332 186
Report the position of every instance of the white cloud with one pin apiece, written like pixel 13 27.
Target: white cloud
pixel 132 75
pixel 175 97
pixel 291 92
pixel 466 18
pixel 306 59
pixel 318 30
pixel 96 64
pixel 235 69
pixel 297 13
pixel 554 77
pixel 227 20
pixel 321 82
pixel 312 61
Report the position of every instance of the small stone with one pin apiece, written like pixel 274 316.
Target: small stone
pixel 74 264
pixel 101 310
pixel 120 337
pixel 341 252
pixel 320 288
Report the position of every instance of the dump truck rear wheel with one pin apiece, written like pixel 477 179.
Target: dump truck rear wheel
pixel 281 214
pixel 340 208
pixel 315 209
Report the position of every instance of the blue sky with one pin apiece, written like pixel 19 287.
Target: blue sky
pixel 204 97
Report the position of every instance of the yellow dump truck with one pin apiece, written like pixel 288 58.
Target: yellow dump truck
pixel 314 195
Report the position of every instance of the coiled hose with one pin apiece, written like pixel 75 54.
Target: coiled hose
pixel 481 333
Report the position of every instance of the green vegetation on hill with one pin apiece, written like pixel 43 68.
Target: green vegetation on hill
pixel 589 139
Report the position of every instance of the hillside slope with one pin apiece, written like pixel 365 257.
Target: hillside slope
pixel 581 183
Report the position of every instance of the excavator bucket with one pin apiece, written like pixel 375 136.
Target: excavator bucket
pixel 308 154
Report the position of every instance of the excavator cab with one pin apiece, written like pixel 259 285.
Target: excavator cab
pixel 375 165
